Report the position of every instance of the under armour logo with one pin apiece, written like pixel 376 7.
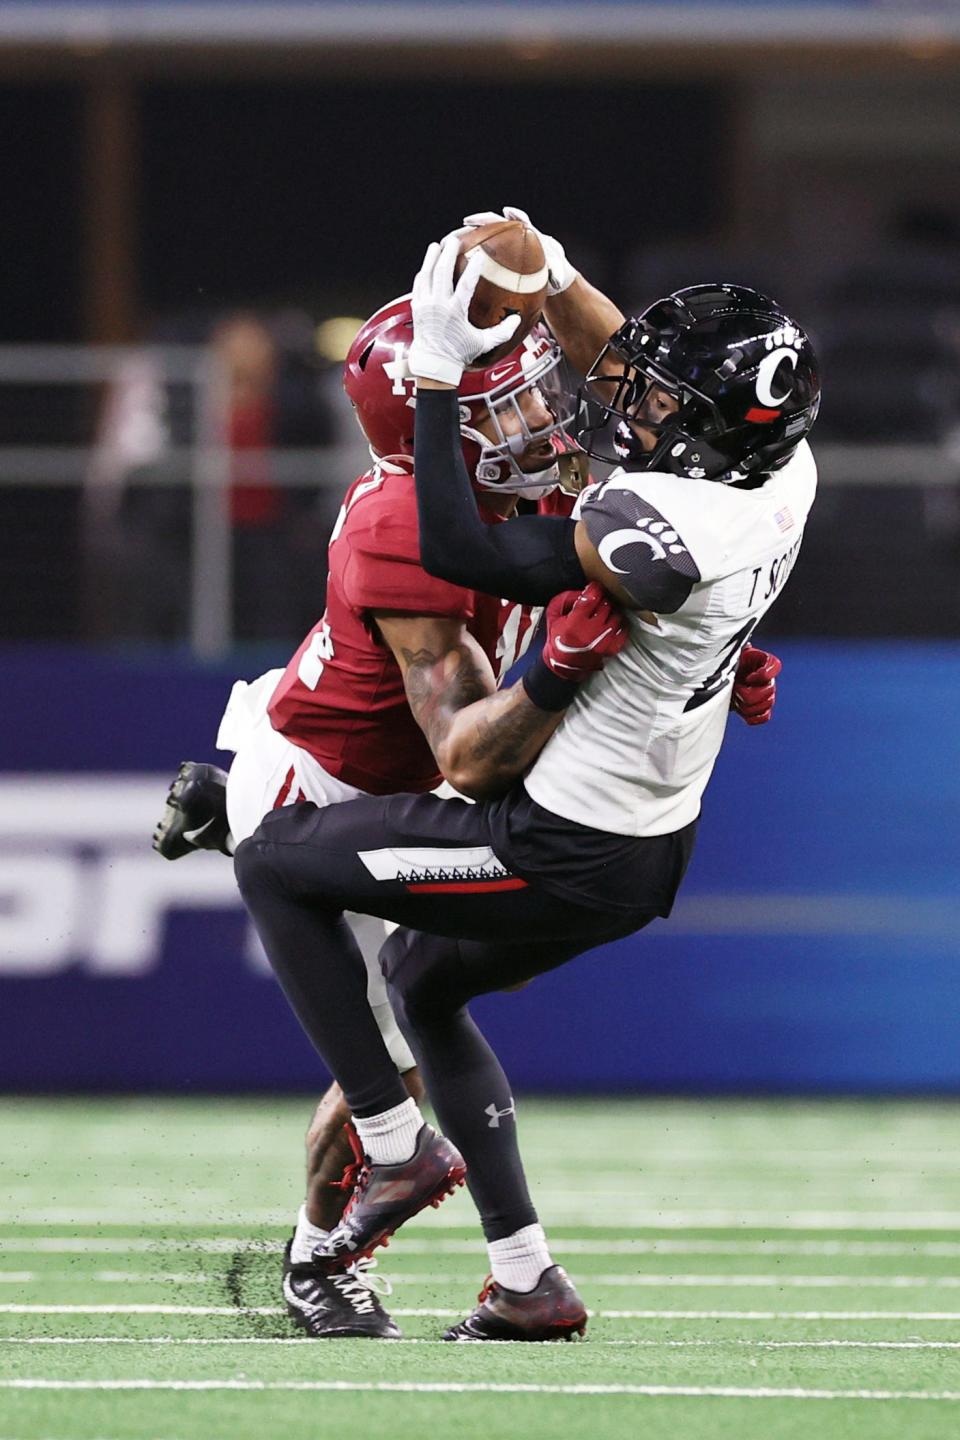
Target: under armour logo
pixel 497 1115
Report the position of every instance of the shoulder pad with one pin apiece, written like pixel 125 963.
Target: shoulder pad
pixel 639 544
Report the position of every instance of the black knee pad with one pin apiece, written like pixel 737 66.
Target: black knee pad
pixel 251 867
pixel 393 952
pixel 421 974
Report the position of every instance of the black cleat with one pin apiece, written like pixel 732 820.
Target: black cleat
pixel 195 815
pixel 335 1307
pixel 387 1196
pixel 553 1311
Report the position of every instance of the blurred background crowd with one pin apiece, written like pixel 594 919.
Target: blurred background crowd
pixel 225 199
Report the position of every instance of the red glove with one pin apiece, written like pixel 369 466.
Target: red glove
pixel 584 628
pixel 755 685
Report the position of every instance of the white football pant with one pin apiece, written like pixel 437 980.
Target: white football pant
pixel 269 771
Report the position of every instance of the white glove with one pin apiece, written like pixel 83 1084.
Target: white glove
pixel 444 341
pixel 562 273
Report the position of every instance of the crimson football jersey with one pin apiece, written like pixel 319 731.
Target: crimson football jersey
pixel 341 697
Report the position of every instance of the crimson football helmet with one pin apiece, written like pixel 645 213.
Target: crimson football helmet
pixel 377 378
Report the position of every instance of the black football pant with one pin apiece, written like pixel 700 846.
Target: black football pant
pixel 424 863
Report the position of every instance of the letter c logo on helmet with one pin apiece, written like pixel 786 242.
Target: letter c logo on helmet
pixel 766 374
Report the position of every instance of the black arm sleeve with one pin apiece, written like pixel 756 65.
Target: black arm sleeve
pixel 530 559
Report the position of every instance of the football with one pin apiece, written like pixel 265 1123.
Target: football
pixel 513 280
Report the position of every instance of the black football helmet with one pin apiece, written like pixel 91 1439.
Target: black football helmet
pixel 744 375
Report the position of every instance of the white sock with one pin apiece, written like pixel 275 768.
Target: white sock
pixel 518 1261
pixel 391 1137
pixel 305 1237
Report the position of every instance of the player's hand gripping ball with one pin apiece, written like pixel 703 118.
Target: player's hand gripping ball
pixel 513 278
pixel 445 339
pixel 561 273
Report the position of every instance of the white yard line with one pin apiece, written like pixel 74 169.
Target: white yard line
pixel 283 1340
pixel 773 1282
pixel 941 1249
pixel 248 1310
pixel 789 1344
pixel 949 1315
pixel 112 1277
pixel 218 1245
pixel 426 1387
pixel 653 1280
pixel 142 1245
pixel 588 1211
pixel 145 1310
pixel 560 1208
pixel 726 1282
pixel 775 1315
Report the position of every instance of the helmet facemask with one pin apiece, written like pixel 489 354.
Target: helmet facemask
pixel 610 411
pixel 742 374
pixel 498 464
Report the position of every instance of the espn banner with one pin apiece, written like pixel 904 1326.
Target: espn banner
pixel 815 945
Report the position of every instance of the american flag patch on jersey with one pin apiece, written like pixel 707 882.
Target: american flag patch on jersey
pixel 784 519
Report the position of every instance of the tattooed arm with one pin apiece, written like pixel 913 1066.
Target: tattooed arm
pixel 483 738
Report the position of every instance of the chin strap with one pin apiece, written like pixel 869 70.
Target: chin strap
pixel 697 460
pixel 678 454
pixel 493 463
pixel 392 464
pixel 536 483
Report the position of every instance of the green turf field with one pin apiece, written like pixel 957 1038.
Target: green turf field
pixel 754 1270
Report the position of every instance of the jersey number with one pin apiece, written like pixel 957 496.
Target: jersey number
pixel 317 653
pixel 725 668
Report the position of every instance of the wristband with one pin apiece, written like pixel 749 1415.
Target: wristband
pixel 427 364
pixel 547 690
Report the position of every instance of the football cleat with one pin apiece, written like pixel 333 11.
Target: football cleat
pixel 343 1306
pixel 195 815
pixel 552 1311
pixel 387 1196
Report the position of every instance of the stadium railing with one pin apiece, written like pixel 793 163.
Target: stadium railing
pixel 93 426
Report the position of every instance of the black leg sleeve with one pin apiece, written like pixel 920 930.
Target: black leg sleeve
pixel 429 981
pixel 316 958
pixel 423 862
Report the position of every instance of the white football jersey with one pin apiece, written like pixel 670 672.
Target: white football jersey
pixel 636 747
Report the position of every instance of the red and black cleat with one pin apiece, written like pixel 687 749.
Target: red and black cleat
pixel 552 1311
pixel 387 1196
pixel 344 1306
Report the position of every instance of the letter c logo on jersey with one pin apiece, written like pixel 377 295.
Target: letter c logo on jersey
pixel 618 539
pixel 766 375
